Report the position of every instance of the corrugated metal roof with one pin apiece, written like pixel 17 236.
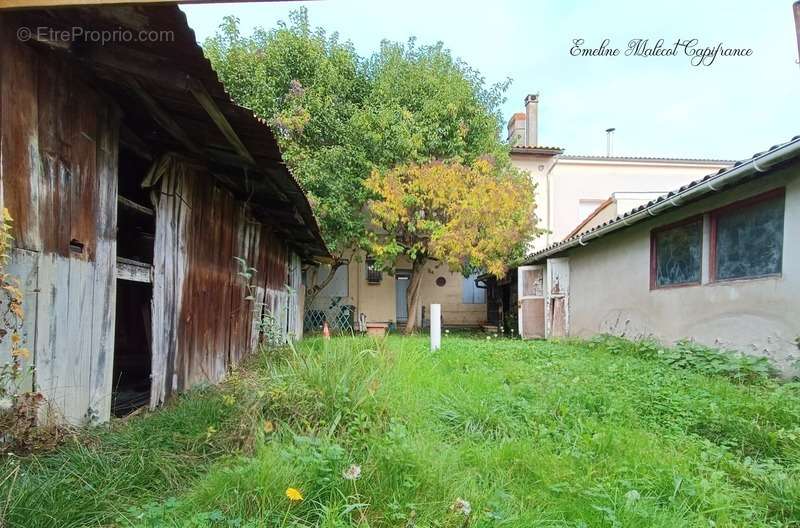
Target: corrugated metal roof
pixel 620 221
pixel 166 68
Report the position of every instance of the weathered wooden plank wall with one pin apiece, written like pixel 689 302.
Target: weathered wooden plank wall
pixel 58 149
pixel 203 322
pixel 169 274
pixel 58 177
pixel 294 326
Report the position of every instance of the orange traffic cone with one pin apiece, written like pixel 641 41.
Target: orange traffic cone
pixel 326 331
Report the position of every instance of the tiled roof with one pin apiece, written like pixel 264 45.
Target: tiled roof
pixel 530 149
pixel 647 159
pixel 621 220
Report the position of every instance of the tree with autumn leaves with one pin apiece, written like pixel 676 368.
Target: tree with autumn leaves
pixel 340 116
pixel 360 134
pixel 468 217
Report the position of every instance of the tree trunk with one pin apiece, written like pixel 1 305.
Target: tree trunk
pixel 413 299
pixel 313 291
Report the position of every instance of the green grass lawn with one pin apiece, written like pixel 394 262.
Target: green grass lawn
pixel 528 433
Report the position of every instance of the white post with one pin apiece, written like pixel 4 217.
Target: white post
pixel 436 326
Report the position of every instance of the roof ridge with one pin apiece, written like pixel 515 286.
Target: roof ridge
pixel 621 218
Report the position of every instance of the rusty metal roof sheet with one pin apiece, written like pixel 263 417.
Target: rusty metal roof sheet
pixel 168 69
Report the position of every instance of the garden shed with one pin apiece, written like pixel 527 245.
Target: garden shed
pixel 135 184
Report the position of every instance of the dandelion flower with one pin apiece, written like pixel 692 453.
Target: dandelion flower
pixel 352 473
pixel 461 506
pixel 293 494
pixel 632 497
pixel 488 338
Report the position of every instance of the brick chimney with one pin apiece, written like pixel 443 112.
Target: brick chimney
pixel 516 129
pixel 532 120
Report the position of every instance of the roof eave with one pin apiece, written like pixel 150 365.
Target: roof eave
pixel 725 178
pixel 546 151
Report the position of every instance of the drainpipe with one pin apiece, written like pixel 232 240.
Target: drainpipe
pixel 550 198
pixel 759 164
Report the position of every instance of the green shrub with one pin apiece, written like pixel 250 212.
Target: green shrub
pixel 686 354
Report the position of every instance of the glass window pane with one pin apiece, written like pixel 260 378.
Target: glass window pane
pixel 467 289
pixel 678 251
pixel 479 295
pixel 471 294
pixel 750 240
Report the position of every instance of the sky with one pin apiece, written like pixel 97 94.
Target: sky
pixel 659 105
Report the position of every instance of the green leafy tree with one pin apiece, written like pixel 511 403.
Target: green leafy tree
pixel 339 116
pixel 468 217
pixel 309 86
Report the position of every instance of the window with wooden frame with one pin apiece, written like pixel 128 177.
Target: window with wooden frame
pixel 747 238
pixel 374 274
pixel 676 254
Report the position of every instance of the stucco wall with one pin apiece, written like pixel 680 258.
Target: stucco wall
pixel 539 167
pixel 563 182
pixel 454 311
pixel 610 287
pixel 378 301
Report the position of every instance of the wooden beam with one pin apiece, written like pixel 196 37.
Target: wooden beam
pixel 161 116
pixel 19 4
pixel 132 270
pixel 128 139
pixel 122 60
pixel 207 102
pixel 133 206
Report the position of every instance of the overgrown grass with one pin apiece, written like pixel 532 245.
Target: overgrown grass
pixel 575 434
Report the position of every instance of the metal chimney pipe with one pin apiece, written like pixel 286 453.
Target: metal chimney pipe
pixel 610 141
pixel 796 9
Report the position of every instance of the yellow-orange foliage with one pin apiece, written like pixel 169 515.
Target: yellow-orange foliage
pixel 466 216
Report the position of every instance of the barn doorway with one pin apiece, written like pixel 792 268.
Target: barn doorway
pixel 132 357
pixel 133 325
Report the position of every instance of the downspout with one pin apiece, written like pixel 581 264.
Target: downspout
pixel 756 165
pixel 550 199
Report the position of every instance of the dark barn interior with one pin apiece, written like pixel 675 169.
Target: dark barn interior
pixel 132 364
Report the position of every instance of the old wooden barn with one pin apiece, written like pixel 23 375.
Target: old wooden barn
pixel 133 182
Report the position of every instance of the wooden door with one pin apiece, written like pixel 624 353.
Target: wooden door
pixel 557 301
pixel 530 301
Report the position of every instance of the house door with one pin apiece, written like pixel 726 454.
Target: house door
pixel 530 301
pixel 401 281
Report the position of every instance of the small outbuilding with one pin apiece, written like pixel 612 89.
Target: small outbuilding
pixel 139 191
pixel 717 261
